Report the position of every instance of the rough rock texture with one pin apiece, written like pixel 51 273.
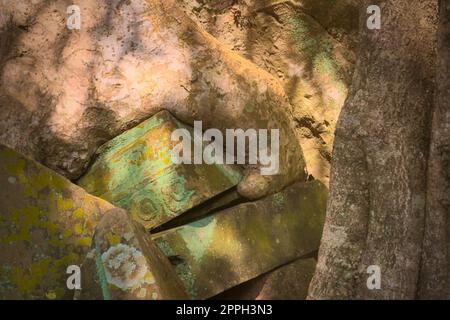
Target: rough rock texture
pixel 238 244
pixel 65 92
pixel 135 172
pixel 46 225
pixel 288 282
pixel 125 264
pixel 308 45
pixel 378 190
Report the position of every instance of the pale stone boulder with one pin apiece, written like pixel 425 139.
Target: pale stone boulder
pixel 65 92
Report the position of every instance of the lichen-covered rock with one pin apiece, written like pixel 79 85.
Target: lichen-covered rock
pixel 125 264
pixel 288 282
pixel 134 171
pixel 245 241
pixel 46 225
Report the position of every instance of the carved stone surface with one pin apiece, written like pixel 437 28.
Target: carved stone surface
pixel 125 264
pixel 134 171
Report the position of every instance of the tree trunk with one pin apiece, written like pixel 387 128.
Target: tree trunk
pixel 376 211
pixel 435 276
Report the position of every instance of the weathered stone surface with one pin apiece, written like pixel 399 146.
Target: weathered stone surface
pixel 134 171
pixel 240 243
pixel 125 264
pixel 308 45
pixel 288 282
pixel 65 92
pixel 46 225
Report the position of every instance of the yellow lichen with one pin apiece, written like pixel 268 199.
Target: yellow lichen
pixel 64 204
pixel 51 295
pixel 26 280
pixel 78 228
pixel 78 213
pixel 112 238
pixel 84 241
pixel 149 278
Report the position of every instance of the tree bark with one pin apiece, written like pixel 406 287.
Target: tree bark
pixel 435 276
pixel 377 206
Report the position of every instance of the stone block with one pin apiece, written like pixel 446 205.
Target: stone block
pixel 134 171
pixel 288 282
pixel 124 264
pixel 235 245
pixel 46 225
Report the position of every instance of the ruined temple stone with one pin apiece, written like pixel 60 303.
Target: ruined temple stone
pixel 288 282
pixel 125 264
pixel 46 225
pixel 134 171
pixel 235 245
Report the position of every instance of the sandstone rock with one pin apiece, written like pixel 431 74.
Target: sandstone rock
pixel 66 92
pixel 134 171
pixel 125 264
pixel 309 45
pixel 245 241
pixel 288 282
pixel 46 225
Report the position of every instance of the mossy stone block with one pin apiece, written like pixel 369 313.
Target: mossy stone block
pixel 46 225
pixel 134 171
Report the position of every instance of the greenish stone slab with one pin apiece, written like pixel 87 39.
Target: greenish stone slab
pixel 134 172
pixel 238 244
pixel 224 200
pixel 124 264
pixel 46 225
